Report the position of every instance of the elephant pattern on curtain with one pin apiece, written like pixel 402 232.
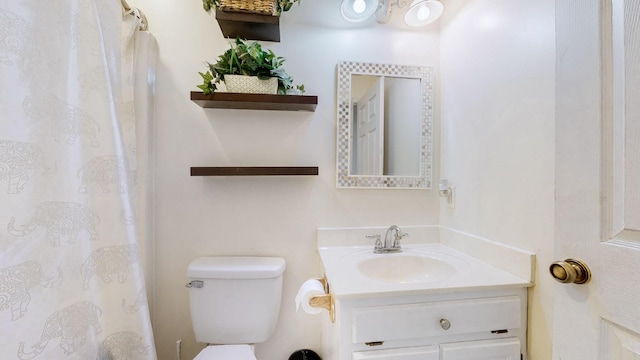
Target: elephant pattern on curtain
pixel 71 279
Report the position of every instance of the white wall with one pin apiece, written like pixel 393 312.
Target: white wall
pixel 275 216
pixel 497 66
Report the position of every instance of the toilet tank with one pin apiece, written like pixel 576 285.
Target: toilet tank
pixel 239 300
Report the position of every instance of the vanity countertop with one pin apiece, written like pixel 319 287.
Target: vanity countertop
pixel 462 272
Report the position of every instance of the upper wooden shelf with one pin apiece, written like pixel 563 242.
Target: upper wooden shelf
pixel 249 26
pixel 225 100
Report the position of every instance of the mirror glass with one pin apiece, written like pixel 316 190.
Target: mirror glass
pixel 384 126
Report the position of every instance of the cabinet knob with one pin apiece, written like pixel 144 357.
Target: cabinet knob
pixel 445 324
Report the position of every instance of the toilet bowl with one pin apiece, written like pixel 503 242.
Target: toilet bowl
pixel 234 302
pixel 226 352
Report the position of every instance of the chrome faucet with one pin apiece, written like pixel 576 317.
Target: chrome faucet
pixel 391 242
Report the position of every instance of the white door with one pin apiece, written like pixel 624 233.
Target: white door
pixel 370 130
pixel 598 178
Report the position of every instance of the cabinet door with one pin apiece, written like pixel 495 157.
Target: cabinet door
pixel 501 349
pixel 413 353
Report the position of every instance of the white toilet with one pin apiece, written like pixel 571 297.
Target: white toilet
pixel 235 303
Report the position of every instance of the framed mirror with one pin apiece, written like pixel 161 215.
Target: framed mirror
pixel 385 120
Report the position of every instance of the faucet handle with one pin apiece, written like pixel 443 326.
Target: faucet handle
pixel 399 236
pixel 378 243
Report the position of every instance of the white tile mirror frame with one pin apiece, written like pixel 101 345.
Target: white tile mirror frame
pixel 345 179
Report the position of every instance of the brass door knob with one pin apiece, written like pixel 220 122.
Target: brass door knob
pixel 570 271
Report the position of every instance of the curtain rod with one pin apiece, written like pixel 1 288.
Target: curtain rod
pixel 144 24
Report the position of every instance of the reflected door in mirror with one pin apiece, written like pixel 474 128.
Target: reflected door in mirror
pixel 368 132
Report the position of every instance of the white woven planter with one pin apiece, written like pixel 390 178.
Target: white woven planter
pixel 250 84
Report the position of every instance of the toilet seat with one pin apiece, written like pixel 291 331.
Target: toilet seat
pixel 226 352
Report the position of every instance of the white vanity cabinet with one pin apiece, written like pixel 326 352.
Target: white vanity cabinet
pixel 465 325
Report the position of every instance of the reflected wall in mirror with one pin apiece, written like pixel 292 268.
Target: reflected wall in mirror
pixel 384 126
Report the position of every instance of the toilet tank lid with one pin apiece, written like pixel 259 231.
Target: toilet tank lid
pixel 236 267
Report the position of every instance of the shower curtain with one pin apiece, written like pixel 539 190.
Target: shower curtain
pixel 75 181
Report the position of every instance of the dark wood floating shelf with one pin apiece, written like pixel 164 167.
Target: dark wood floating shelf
pixel 249 26
pixel 254 171
pixel 225 100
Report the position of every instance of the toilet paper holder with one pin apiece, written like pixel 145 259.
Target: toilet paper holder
pixel 325 301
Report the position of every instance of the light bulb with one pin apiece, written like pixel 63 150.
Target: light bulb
pixel 359 6
pixel 423 13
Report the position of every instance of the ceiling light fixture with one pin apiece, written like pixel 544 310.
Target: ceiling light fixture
pixel 359 6
pixel 420 12
pixel 356 11
pixel 423 12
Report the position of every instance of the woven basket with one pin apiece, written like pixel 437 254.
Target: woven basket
pixel 265 7
pixel 250 84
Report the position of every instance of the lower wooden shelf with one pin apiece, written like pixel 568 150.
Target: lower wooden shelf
pixel 255 171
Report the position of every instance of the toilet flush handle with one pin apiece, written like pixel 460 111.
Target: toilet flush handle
pixel 195 284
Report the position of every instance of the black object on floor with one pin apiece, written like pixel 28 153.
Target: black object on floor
pixel 304 354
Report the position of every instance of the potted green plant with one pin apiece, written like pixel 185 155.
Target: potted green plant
pixel 281 5
pixel 248 59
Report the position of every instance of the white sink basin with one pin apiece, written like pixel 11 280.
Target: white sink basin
pixel 405 268
pixel 409 266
